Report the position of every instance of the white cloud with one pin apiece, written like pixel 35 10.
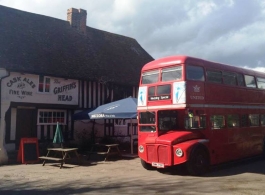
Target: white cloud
pixel 259 69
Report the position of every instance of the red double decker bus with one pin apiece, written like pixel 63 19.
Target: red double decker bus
pixel 200 113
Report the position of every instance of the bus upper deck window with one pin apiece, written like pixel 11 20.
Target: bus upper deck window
pixel 172 73
pixel 261 83
pixel 150 77
pixel 194 73
pixel 250 81
pixel 229 78
pixel 214 76
pixel 240 79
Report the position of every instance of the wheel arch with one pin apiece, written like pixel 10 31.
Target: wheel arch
pixel 263 147
pixel 197 146
pixel 192 166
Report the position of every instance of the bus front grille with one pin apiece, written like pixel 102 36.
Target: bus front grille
pixel 151 153
pixel 162 154
pixel 157 154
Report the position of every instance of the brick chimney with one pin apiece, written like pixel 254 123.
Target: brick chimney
pixel 77 19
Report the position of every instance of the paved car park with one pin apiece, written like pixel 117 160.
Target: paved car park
pixel 126 176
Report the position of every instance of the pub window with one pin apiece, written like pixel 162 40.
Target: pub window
pixel 232 120
pixel 254 120
pixel 240 80
pixel 229 78
pixel 217 121
pixel 262 119
pixel 195 73
pixel 44 84
pixel 172 73
pixel 150 77
pixel 214 76
pixel 51 117
pixel 120 122
pixel 261 83
pixel 250 81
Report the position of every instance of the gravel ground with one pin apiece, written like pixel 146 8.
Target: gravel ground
pixel 126 176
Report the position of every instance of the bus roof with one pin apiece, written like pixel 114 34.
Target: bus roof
pixel 165 62
pixel 174 60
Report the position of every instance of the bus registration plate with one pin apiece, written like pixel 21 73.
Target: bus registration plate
pixel 158 165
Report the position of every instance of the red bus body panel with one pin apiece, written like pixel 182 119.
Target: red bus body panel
pixel 211 99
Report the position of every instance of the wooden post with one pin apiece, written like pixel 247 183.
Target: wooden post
pixel 131 137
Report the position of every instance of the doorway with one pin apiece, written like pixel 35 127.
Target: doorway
pixel 25 124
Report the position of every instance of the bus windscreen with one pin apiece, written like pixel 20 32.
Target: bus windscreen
pixel 172 73
pixel 150 77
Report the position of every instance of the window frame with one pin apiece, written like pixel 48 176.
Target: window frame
pixel 262 119
pixel 195 122
pixel 224 122
pixel 147 115
pixel 212 81
pixel 156 88
pixel 198 67
pixel 251 124
pixel 150 73
pixel 240 80
pixel 233 118
pixel 52 122
pixel 227 75
pixel 168 117
pixel 248 85
pixel 260 83
pixel 120 122
pixel 171 69
pixel 44 84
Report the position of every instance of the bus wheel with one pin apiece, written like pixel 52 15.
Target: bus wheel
pixel 146 165
pixel 263 149
pixel 198 162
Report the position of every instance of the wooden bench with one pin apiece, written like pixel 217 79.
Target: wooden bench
pixel 50 158
pixel 103 153
pixel 64 152
pixel 109 152
pixel 44 158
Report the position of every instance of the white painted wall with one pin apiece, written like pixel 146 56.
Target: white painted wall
pixel 3 154
pixel 24 88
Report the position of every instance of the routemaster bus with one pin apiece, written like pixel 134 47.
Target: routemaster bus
pixel 200 113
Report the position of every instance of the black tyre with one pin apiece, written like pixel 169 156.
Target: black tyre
pixel 198 163
pixel 263 149
pixel 146 165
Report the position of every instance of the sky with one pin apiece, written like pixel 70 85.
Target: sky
pixel 225 31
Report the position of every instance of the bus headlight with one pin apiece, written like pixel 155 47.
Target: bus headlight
pixel 141 149
pixel 179 152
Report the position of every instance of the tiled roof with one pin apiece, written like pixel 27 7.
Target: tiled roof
pixel 39 44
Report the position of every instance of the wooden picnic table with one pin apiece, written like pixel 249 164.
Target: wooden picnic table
pixel 112 149
pixel 63 153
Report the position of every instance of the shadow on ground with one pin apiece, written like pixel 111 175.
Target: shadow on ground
pixel 249 165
